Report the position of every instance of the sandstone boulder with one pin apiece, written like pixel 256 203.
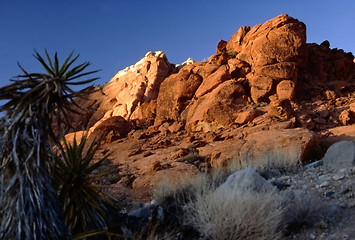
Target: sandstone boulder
pixel 212 81
pixel 221 47
pixel 260 87
pixel 328 72
pixel 297 141
pixel 111 129
pixel 175 92
pixel 281 39
pixel 286 89
pixel 346 117
pixel 337 134
pixel 205 69
pixel 236 42
pixel 238 68
pixel 290 146
pixel 280 109
pixel 215 109
pixel 144 115
pixel 246 116
pixel 274 50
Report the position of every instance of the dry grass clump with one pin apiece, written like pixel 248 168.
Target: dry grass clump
pixel 186 189
pixel 280 160
pixel 237 215
pixel 230 215
pixel 303 211
pixel 167 188
pixel 218 213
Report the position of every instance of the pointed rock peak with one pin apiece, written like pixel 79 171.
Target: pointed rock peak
pixel 187 62
pixel 144 64
pixel 156 54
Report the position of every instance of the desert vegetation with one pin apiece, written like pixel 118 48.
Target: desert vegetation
pixel 46 194
pixel 209 208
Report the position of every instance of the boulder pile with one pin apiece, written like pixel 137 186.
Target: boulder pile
pixel 265 89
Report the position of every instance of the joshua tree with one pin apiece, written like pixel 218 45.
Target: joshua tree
pixel 28 203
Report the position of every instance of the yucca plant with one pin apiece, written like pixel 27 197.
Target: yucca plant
pixel 28 203
pixel 76 175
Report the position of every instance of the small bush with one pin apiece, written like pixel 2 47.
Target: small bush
pixel 187 188
pixel 231 215
pixel 75 176
pixel 231 54
pixel 303 211
pixel 174 197
pixel 237 215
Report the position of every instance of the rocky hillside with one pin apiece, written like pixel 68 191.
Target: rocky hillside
pixel 264 90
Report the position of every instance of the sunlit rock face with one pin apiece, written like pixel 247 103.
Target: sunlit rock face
pixel 270 63
pixel 265 91
pixel 132 86
pixel 274 50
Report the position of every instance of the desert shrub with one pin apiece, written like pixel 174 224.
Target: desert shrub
pixel 237 215
pixel 75 175
pixel 185 189
pixel 174 197
pixel 231 215
pixel 240 214
pixel 284 161
pixel 303 211
pixel 231 54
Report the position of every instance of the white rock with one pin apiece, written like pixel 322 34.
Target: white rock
pixel 340 155
pixel 324 177
pixel 246 179
pixel 324 184
pixel 338 176
pixel 188 61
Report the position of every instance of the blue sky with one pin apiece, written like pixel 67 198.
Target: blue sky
pixel 113 34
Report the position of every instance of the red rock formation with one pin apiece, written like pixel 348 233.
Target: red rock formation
pixel 133 86
pixel 215 109
pixel 328 71
pixel 274 50
pixel 175 92
pixel 264 90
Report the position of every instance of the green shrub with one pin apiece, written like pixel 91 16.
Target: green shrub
pixel 76 174
pixel 231 54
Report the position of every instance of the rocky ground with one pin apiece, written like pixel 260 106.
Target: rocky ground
pixel 331 195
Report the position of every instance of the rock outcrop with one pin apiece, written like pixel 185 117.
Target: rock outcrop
pixel 264 90
pixel 130 88
pixel 175 92
pixel 216 108
pixel 274 50
pixel 329 72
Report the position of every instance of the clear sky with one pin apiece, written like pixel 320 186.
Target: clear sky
pixel 113 34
